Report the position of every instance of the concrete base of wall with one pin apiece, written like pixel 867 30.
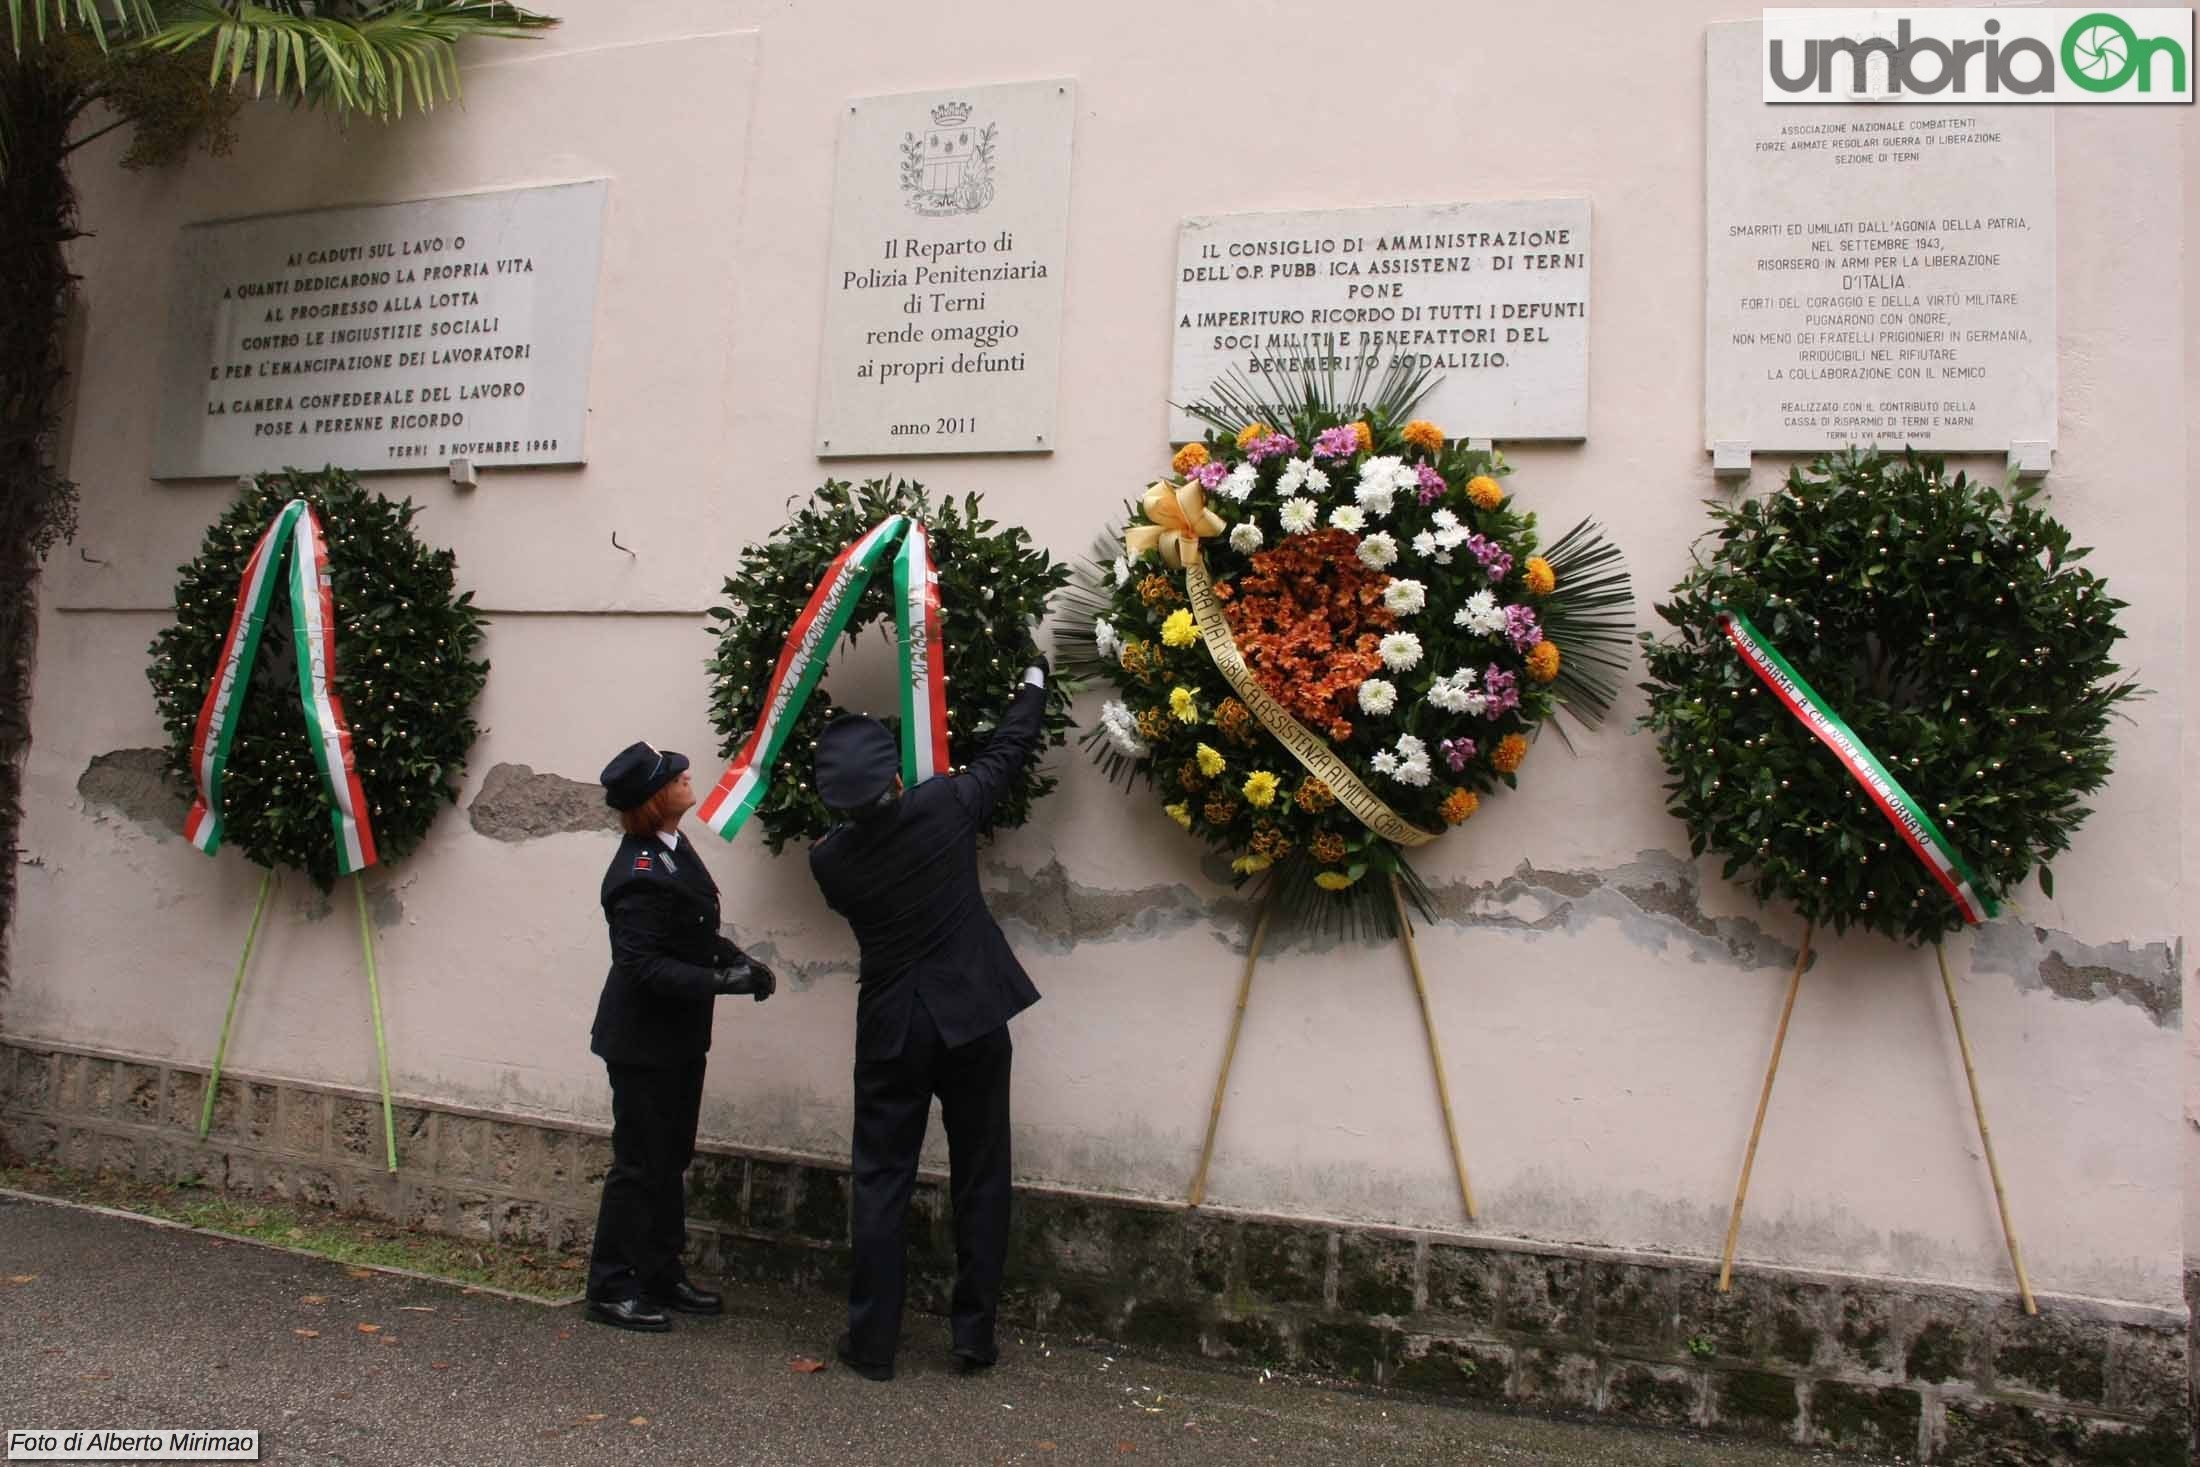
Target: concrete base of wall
pixel 1936 1374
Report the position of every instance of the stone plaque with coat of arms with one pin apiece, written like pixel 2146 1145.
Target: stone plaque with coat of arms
pixel 943 300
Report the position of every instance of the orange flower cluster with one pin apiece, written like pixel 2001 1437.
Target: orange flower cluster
pixel 1543 661
pixel 1309 617
pixel 1424 435
pixel 1458 805
pixel 1190 778
pixel 1365 435
pixel 1141 660
pixel 1157 590
pixel 1328 848
pixel 1538 576
pixel 1220 810
pixel 1511 750
pixel 1153 725
pixel 1314 797
pixel 1484 492
pixel 1251 434
pixel 1191 456
pixel 1235 720
pixel 1270 842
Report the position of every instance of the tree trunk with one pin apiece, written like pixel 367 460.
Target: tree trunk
pixel 37 507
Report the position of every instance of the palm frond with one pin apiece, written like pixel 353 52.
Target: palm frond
pixel 377 62
pixel 121 18
pixel 1591 616
pixel 1311 392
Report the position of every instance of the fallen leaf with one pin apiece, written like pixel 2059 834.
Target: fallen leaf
pixel 565 1334
pixel 637 1421
pixel 439 1365
pixel 341 1396
pixel 97 1375
pixel 370 1329
pixel 295 1233
pixel 593 1416
pixel 571 1265
pixel 1046 1446
pixel 804 1365
pixel 307 1334
pixel 389 1339
pixel 1125 1447
pixel 21 1278
pixel 313 1298
pixel 550 1433
pixel 360 1273
pixel 417 1308
pixel 253 1220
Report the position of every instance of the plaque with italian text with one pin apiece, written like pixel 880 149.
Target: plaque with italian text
pixel 390 336
pixel 1874 274
pixel 943 292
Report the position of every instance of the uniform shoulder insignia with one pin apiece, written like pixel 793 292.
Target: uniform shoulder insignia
pixel 641 861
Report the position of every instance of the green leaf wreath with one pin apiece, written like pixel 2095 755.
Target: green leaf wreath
pixel 1382 586
pixel 405 670
pixel 994 586
pixel 1953 629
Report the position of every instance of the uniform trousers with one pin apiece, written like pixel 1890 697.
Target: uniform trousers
pixel 893 1104
pixel 641 1227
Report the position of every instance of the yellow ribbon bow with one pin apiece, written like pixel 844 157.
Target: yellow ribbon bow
pixel 1179 518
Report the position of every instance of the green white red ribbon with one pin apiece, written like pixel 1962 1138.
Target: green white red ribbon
pixel 296 534
pixel 809 644
pixel 1902 810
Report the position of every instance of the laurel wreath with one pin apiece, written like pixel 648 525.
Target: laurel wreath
pixel 405 671
pixel 1951 625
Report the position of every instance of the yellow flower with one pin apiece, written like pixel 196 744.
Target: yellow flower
pixel 1541 579
pixel 1460 804
pixel 1510 751
pixel 1424 435
pixel 1210 761
pixel 1251 434
pixel 1247 865
pixel 1260 789
pixel 1483 492
pixel 1180 812
pixel 1178 631
pixel 1543 661
pixel 1181 704
pixel 1188 458
pixel 1333 880
pixel 1365 435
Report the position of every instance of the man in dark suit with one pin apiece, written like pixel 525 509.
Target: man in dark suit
pixel 938 986
pixel 669 965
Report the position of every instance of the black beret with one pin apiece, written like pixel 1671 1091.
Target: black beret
pixel 857 759
pixel 637 772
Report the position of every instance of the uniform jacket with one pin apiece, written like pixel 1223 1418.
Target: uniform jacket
pixel 907 882
pixel 662 908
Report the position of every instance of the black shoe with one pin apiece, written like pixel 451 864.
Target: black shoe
pixel 864 1368
pixel 628 1314
pixel 687 1299
pixel 971 1362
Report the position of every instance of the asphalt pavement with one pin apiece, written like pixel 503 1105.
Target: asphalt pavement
pixel 111 1322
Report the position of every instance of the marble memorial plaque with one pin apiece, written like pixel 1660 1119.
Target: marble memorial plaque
pixel 1874 274
pixel 1491 298
pixel 384 337
pixel 943 298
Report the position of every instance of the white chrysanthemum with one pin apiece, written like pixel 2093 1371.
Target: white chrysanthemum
pixel 1387 473
pixel 1376 496
pixel 1294 476
pixel 1384 761
pixel 1378 550
pixel 1413 771
pixel 1316 480
pixel 1104 639
pixel 1400 651
pixel 1121 570
pixel 1121 727
pixel 1348 517
pixel 1456 694
pixel 1424 544
pixel 1403 597
pixel 1444 519
pixel 1297 516
pixel 1377 696
pixel 1245 538
pixel 1481 615
pixel 1452 538
pixel 1243 480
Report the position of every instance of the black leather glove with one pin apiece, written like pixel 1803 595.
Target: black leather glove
pixel 747 976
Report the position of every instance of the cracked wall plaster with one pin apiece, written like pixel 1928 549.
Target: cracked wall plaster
pixel 517 804
pixel 136 784
pixel 2145 976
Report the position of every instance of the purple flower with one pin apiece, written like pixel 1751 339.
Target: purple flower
pixel 1522 627
pixel 1210 474
pixel 1274 445
pixel 1457 752
pixel 1340 442
pixel 1497 562
pixel 1502 688
pixel 1432 483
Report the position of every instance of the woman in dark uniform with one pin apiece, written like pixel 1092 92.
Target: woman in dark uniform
pixel 668 966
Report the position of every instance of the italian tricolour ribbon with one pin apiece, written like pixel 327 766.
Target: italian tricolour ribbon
pixel 1902 810
pixel 809 643
pixel 296 534
pixel 1308 747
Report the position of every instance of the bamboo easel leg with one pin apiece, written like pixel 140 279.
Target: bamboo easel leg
pixel 1229 1052
pixel 1764 1102
pixel 381 1041
pixel 236 988
pixel 1986 1139
pixel 1435 1050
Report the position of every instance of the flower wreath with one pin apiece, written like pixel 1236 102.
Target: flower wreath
pixel 1951 634
pixel 403 674
pixel 993 589
pixel 1331 632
